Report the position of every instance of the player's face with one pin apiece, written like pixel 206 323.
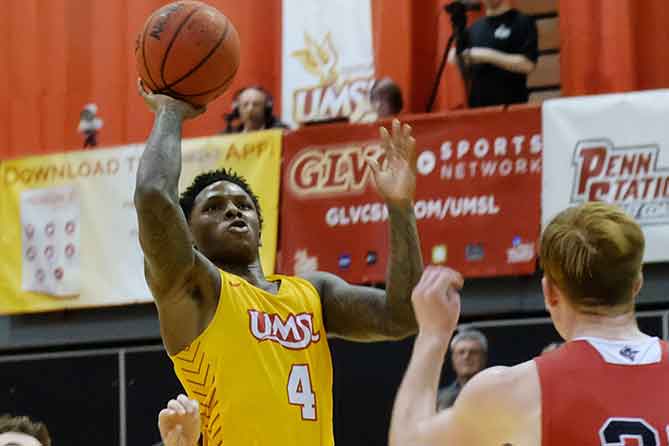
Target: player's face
pixel 468 358
pixel 252 106
pixel 225 226
pixel 18 439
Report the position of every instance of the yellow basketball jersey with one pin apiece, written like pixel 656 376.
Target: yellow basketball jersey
pixel 262 370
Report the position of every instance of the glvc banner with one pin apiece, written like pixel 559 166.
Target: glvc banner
pixel 611 148
pixel 477 204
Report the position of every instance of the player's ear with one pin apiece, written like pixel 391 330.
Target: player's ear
pixel 638 285
pixel 551 298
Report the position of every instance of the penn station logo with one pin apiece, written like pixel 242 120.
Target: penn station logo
pixel 335 95
pixel 630 177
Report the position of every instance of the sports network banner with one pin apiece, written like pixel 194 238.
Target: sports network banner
pixel 477 203
pixel 612 148
pixel 328 60
pixel 69 227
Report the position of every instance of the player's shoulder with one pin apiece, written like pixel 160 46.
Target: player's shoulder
pixel 321 280
pixel 306 282
pixel 503 390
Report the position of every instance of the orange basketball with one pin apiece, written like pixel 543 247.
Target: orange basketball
pixel 188 50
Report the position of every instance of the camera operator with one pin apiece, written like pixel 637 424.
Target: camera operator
pixel 499 51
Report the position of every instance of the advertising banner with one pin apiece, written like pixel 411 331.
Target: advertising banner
pixel 477 200
pixel 611 148
pixel 328 60
pixel 69 227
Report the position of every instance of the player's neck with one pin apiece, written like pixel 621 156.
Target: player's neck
pixel 621 327
pixel 252 273
pixel 501 9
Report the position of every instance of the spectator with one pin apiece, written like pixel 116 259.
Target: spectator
pixel 253 108
pixel 22 431
pixel 385 97
pixel 502 49
pixel 469 355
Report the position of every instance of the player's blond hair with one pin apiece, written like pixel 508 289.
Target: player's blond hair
pixel 593 253
pixel 25 425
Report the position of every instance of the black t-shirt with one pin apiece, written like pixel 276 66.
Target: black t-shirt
pixel 511 33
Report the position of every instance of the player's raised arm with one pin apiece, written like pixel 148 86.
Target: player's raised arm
pixel 368 314
pixel 163 230
pixel 505 397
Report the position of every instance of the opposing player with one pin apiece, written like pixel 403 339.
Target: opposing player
pixel 607 385
pixel 253 349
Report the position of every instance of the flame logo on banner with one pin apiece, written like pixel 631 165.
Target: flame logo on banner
pixel 320 60
pixel 335 96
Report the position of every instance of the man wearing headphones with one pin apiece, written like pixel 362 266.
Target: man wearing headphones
pixel 253 109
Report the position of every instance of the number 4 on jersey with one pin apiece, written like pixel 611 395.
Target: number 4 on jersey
pixel 299 391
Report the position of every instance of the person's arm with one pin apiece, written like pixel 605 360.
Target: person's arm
pixel 179 278
pixel 437 307
pixel 517 63
pixel 179 423
pixel 163 231
pixel 489 398
pixel 369 314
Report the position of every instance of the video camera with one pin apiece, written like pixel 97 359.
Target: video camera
pixel 458 10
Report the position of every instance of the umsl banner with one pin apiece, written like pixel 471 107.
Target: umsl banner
pixel 477 199
pixel 612 148
pixel 328 60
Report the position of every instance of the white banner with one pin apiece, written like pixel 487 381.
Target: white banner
pixel 612 148
pixel 328 60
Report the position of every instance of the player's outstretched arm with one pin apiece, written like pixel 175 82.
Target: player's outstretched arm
pixel 179 423
pixel 437 307
pixel 163 231
pixel 494 408
pixel 368 314
pixel 181 280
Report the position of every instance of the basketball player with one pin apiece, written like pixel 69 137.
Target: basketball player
pixel 251 348
pixel 607 385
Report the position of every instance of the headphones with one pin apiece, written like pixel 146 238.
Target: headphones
pixel 373 87
pixel 269 103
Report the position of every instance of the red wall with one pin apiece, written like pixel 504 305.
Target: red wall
pixel 57 55
pixel 607 48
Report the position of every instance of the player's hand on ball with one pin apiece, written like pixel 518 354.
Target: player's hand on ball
pixel 158 101
pixel 396 179
pixel 179 422
pixel 436 300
